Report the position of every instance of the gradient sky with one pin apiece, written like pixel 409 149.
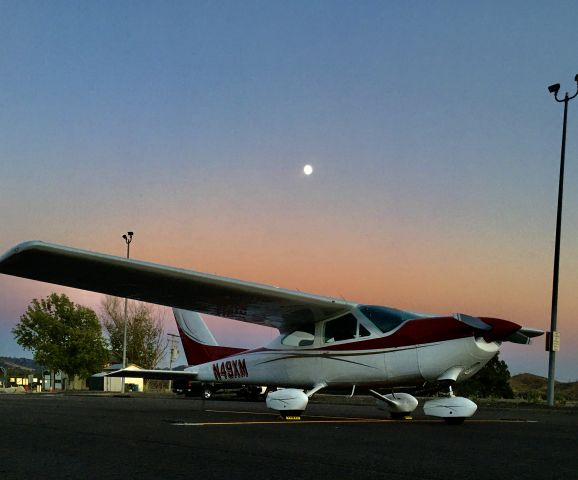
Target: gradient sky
pixel 434 141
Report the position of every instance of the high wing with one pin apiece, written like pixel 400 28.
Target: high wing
pixel 174 287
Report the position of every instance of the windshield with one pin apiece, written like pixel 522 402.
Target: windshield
pixel 385 318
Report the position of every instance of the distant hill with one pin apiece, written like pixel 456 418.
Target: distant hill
pixel 534 387
pixel 22 366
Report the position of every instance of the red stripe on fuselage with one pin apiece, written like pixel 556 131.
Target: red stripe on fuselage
pixel 412 332
pixel 431 330
pixel 420 331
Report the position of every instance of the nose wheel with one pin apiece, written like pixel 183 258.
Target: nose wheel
pixel 453 410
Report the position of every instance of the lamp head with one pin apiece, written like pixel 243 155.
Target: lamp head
pixel 130 234
pixel 124 236
pixel 555 88
pixel 576 78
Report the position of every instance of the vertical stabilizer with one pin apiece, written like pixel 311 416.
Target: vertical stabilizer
pixel 194 327
pixel 198 342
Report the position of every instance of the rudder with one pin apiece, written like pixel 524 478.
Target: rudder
pixel 198 342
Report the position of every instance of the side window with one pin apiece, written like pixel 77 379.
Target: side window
pixel 363 332
pixel 342 328
pixel 300 337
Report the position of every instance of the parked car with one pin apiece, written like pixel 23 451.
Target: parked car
pixel 193 388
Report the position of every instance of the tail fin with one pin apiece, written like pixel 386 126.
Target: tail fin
pixel 198 342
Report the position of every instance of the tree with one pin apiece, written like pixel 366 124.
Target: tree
pixel 63 336
pixel 145 336
pixel 490 381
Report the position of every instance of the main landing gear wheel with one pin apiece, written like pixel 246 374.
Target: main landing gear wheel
pixel 399 405
pixel 206 393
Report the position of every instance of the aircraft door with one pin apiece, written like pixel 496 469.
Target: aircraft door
pixel 300 363
pixel 402 364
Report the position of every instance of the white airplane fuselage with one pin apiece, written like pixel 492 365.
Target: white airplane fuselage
pixel 306 367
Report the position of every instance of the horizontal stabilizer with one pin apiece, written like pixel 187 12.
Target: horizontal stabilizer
pixel 155 374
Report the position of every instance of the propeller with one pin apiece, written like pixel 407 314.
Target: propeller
pixel 524 335
pixel 474 322
pixel 502 330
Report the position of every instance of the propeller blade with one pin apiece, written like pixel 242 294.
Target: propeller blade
pixel 518 337
pixel 524 335
pixel 474 322
pixel 531 332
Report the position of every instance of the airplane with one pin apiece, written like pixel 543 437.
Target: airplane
pixel 323 342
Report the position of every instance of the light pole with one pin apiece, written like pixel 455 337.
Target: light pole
pixel 173 354
pixel 127 239
pixel 552 339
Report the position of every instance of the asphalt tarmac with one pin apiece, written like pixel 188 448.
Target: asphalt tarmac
pixel 82 436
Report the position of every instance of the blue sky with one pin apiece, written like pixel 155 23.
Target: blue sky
pixel 434 140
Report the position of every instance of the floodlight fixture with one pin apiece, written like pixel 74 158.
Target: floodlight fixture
pixel 128 237
pixel 555 88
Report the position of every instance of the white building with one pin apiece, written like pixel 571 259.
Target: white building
pixel 101 382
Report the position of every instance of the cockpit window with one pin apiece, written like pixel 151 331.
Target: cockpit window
pixel 300 337
pixel 346 327
pixel 384 318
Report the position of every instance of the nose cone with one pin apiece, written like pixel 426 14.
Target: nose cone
pixel 501 329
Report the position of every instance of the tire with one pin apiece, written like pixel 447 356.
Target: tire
pixel 206 393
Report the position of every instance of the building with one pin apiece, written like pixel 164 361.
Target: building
pixel 100 381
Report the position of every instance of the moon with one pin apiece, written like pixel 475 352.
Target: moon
pixel 307 169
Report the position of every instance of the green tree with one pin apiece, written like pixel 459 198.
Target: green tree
pixel 490 381
pixel 63 336
pixel 145 336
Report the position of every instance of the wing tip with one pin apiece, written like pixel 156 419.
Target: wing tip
pixel 21 248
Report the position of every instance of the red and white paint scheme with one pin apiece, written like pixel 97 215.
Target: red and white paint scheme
pixel 323 342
